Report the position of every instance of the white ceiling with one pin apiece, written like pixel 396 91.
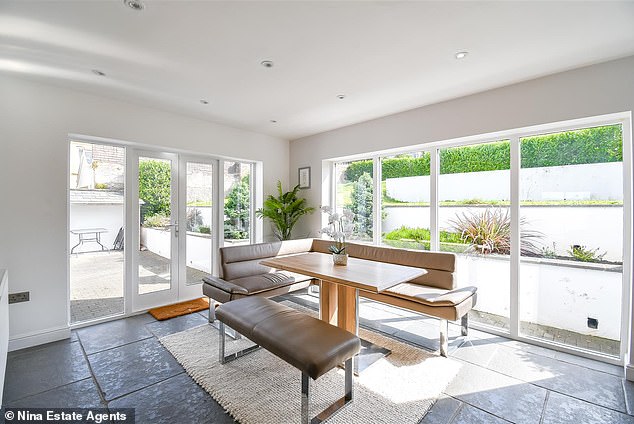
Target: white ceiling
pixel 385 57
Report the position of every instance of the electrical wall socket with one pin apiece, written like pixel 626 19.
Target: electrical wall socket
pixel 19 297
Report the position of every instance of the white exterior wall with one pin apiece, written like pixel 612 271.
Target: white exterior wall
pixel 553 295
pixel 34 153
pixel 595 181
pixel 590 226
pixel 84 215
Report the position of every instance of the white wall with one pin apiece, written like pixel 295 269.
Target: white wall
pixel 590 91
pixel 36 120
pixel 591 226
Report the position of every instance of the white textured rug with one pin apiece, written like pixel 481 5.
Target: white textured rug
pixel 260 388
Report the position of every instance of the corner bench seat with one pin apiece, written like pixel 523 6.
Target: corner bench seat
pixel 312 346
pixel 434 294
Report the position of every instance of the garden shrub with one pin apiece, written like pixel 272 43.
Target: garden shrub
pixel 237 210
pixel 589 145
pixel 361 206
pixel 154 188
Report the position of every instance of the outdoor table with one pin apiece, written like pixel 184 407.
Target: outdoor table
pixel 85 236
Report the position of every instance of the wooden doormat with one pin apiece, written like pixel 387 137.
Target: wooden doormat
pixel 178 309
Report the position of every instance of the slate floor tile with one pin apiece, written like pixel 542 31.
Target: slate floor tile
pixel 35 370
pixel 590 363
pixel 443 411
pixel 498 394
pixel 476 351
pixel 114 333
pixel 127 368
pixel 573 380
pixel 175 325
pixel 188 403
pixel 561 409
pixel 80 394
pixel 470 415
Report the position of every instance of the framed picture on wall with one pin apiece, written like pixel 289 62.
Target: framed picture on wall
pixel 304 177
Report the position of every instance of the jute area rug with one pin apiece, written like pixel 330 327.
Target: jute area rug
pixel 259 388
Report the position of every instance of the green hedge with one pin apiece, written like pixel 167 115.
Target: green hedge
pixel 590 145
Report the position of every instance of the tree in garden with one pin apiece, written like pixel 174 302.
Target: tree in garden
pixel 237 210
pixel 361 206
pixel 154 187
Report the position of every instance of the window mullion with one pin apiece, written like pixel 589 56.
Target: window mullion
pixel 434 172
pixel 515 236
pixel 376 201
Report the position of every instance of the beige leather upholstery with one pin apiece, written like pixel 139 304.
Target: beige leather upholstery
pixel 434 293
pixel 440 265
pixel 242 275
pixel 309 344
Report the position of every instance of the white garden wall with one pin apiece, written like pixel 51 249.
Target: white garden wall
pixel 596 181
pixel 552 293
pixel 198 246
pixel 106 216
pixel 591 226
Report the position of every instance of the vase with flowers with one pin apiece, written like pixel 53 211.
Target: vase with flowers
pixel 339 226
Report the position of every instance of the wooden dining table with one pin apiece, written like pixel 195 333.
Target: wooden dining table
pixel 340 284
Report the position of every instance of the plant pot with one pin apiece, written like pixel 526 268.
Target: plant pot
pixel 340 258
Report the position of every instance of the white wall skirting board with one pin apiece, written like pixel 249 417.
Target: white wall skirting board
pixel 22 341
pixel 629 372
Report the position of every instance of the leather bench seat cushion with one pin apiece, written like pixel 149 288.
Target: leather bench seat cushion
pixel 431 296
pixel 252 285
pixel 309 344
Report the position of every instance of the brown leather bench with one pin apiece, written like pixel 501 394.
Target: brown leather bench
pixel 309 344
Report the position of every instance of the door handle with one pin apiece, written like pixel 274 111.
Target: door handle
pixel 175 225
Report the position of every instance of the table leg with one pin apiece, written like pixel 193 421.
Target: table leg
pixel 347 301
pixel 328 302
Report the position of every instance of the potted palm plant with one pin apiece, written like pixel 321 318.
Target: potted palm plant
pixel 284 211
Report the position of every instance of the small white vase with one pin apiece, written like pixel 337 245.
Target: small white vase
pixel 340 258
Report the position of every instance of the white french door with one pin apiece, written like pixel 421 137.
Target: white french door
pixel 171 209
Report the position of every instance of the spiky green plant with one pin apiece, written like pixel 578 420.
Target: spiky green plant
pixel 284 211
pixel 490 232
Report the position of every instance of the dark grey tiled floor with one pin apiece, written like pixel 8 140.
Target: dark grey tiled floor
pixel 122 364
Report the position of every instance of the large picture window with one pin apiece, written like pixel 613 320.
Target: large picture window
pixel 536 219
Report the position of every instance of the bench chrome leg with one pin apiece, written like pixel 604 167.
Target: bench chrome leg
pixel 221 348
pixel 464 324
pixel 212 310
pixel 444 337
pixel 305 399
pixel 335 407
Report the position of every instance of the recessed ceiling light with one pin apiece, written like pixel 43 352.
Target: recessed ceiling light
pixel 98 72
pixel 203 101
pixel 341 96
pixel 273 121
pixel 267 63
pixel 134 4
pixel 461 55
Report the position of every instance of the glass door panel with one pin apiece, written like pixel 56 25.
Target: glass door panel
pixel 199 222
pixel 158 230
pixel 97 221
pixel 475 223
pixel 237 207
pixel 571 221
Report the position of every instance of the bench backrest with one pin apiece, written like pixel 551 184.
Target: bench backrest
pixel 440 266
pixel 244 260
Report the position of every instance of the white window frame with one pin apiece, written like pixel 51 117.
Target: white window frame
pixel 130 210
pixel 627 310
